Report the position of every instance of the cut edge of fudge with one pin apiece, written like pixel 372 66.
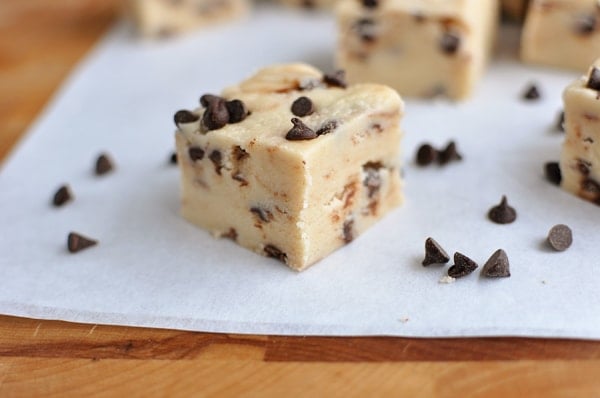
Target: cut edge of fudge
pixel 294 191
pixel 459 37
pixel 580 156
pixel 561 34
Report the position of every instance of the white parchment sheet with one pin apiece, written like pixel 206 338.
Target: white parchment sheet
pixel 154 269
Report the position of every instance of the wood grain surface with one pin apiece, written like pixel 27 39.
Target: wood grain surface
pixel 40 42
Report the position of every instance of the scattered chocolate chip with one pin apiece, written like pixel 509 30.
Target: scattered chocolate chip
pixel 196 153
pixel 497 266
pixel 336 79
pixel 450 43
pixel 216 157
pixel 585 25
pixel 183 117
pixel 216 115
pixel 303 106
pixel 560 237
pixel 300 131
pixel 237 110
pixel 426 154
pixel 62 196
pixel 327 127
pixel 502 213
pixel 77 242
pixel 448 154
pixel 434 253
pixel 531 93
pixel 552 172
pixel 208 99
pixel 263 215
pixel 584 167
pixel 240 153
pixel 594 79
pixel 274 252
pixel 560 123
pixel 370 3
pixel 103 164
pixel 372 180
pixel 463 266
pixel 590 186
pixel 348 231
pixel 173 158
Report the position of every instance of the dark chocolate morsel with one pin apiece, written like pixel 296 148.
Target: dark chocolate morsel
pixel 336 79
pixel 426 154
pixel 216 115
pixel 196 153
pixel 183 116
pixel 434 253
pixel 450 43
pixel 302 106
pixel 560 237
pixel 594 79
pixel 237 110
pixel 103 164
pixel 552 172
pixel 463 266
pixel 300 131
pixel 62 196
pixel 502 213
pixel 497 266
pixel 77 242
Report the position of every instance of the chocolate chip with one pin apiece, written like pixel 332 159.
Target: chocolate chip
pixel 584 167
pixel 62 196
pixel 366 29
pixel 502 213
pixel 231 234
pixel 237 110
pixel 448 154
pixel 450 43
pixel 208 99
pixel 262 214
pixel 348 231
pixel 274 252
pixel 183 117
pixel 594 79
pixel 497 266
pixel 216 157
pixel 434 253
pixel 552 172
pixel 590 186
pixel 173 158
pixel 196 153
pixel 327 127
pixel 585 25
pixel 216 115
pixel 560 237
pixel 463 266
pixel 531 93
pixel 372 180
pixel 370 3
pixel 336 79
pixel 239 153
pixel 426 154
pixel 103 164
pixel 300 131
pixel 303 106
pixel 77 242
pixel 560 123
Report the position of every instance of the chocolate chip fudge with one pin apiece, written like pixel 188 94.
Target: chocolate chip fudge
pixel 156 18
pixel 561 33
pixel 291 163
pixel 420 48
pixel 580 157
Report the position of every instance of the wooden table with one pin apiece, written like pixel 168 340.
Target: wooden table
pixel 40 41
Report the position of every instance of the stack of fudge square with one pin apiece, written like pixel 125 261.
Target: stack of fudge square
pixel 294 163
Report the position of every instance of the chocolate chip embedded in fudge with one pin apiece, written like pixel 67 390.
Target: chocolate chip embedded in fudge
pixel 423 49
pixel 562 33
pixel 159 18
pixel 514 9
pixel 312 165
pixel 580 156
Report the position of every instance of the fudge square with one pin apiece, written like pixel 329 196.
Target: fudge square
pixel 561 33
pixel 421 48
pixel 580 157
pixel 291 163
pixel 154 18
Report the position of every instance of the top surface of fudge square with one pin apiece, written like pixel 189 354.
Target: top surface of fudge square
pixel 268 97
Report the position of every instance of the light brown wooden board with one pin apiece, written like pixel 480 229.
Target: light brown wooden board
pixel 40 42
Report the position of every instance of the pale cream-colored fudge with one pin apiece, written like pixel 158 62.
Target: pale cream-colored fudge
pixel 515 9
pixel 155 18
pixel 562 33
pixel 421 48
pixel 580 157
pixel 295 194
